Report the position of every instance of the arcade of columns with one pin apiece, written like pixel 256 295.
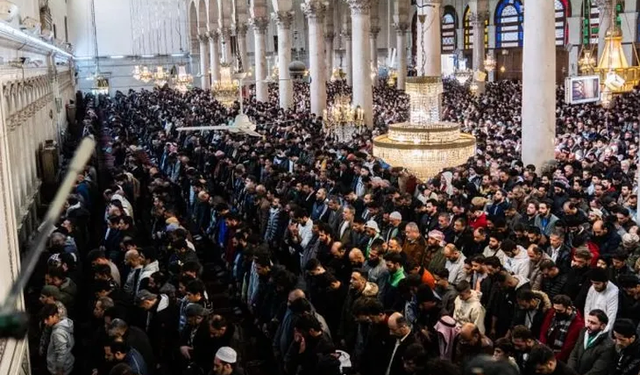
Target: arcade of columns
pixel 359 33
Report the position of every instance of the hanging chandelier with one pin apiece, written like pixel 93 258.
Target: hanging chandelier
pixel 225 90
pixel 182 81
pixel 274 77
pixel 145 75
pixel 490 63
pixel 424 145
pixel 393 78
pixel 160 77
pixel 587 62
pixel 338 74
pixel 463 75
pixel 342 120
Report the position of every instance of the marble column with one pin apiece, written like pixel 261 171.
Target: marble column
pixel 605 21
pixel 241 34
pixel 285 85
pixel 478 20
pixel 315 12
pixel 373 46
pixel 362 87
pixel 214 55
pixel 538 84
pixel 225 39
pixel 204 70
pixel 429 42
pixel 401 54
pixel 348 58
pixel 575 39
pixel 329 53
pixel 260 51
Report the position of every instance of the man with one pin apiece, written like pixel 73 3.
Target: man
pixel 536 256
pixel 602 295
pixel 162 318
pixel 445 291
pixel 391 297
pixel 607 239
pixel 463 236
pixel 375 266
pixel 467 307
pixel 125 354
pixel 225 362
pixel 517 261
pixel 493 248
pixel 134 337
pixel 415 245
pixel 545 220
pixel 561 327
pixel 134 261
pixel 558 251
pixel 348 326
pixel 454 264
pixel 630 301
pixel 553 281
pixel 97 256
pixel 393 230
pixel 471 343
pixel 401 331
pixel 309 344
pixel 626 338
pixel 373 232
pixel 542 361
pixel 433 258
pixel 344 229
pixel 523 341
pixel 594 351
pixel 60 360
pixel 212 334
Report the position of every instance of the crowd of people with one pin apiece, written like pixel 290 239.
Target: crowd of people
pixel 197 252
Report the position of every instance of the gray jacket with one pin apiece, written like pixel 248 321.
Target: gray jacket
pixel 59 357
pixel 598 359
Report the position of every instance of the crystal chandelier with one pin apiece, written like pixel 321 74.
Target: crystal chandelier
pixel 145 75
pixel 160 76
pixel 136 72
pixel 463 75
pixel 490 63
pixel 424 145
pixel 225 90
pixel 587 62
pixel 342 120
pixel 182 81
pixel 393 78
pixel 338 74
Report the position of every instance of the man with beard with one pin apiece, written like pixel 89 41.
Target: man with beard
pixel 558 251
pixel 630 299
pixel 429 220
pixel 414 245
pixel 594 351
pixel 309 344
pixel 602 295
pixel 561 327
pixel 348 328
pixel 542 361
pixel 320 209
pixel 463 236
pixel 628 347
pixel 523 341
pixel 497 209
pixel 606 237
pixel 344 233
pixel 577 284
pixel 530 215
pixel 471 343
pixel 494 247
pixel 433 258
pixel 375 267
pixel 276 224
pixel 401 331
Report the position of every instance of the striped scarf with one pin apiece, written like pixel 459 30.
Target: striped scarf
pixel 272 224
pixel 558 331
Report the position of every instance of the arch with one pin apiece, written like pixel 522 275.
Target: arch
pixel 193 27
pixel 509 19
pixel 448 28
pixel 562 11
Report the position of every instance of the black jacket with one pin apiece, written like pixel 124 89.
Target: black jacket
pixel 628 360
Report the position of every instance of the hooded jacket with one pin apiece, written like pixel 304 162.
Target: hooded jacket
pixel 469 311
pixel 59 357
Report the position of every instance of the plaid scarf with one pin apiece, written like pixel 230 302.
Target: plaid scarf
pixel 558 331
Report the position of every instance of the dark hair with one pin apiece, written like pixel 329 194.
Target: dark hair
pixel 508 245
pixel 601 315
pixel 312 264
pixel 493 261
pixel 57 272
pixel 562 299
pixel 122 369
pixel 307 322
pixel 526 295
pixel 625 327
pixel 463 286
pixel 628 281
pixel 218 322
pixel 505 345
pixel 300 305
pixel 599 275
pixel 547 264
pixel 48 310
pixel 416 354
pixel 95 254
pixel 522 333
pixel 442 273
pixel 196 286
pixel 540 354
pixel 393 258
pixel 102 269
pixel 119 347
pixel 102 285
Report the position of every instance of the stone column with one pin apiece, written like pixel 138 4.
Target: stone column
pixel 285 85
pixel 362 87
pixel 373 45
pixel 401 54
pixel 575 39
pixel 204 70
pixel 605 21
pixel 315 12
pixel 260 52
pixel 429 42
pixel 214 55
pixel 538 84
pixel 225 38
pixel 478 20
pixel 329 53
pixel 348 58
pixel 241 34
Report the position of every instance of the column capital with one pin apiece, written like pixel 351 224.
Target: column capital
pixel 259 24
pixel 479 18
pixel 373 31
pixel 401 27
pixel 203 38
pixel 359 6
pixel 241 29
pixel 314 9
pixel 213 36
pixel 283 19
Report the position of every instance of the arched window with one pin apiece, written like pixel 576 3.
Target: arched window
pixel 562 12
pixel 449 27
pixel 509 19
pixel 468 30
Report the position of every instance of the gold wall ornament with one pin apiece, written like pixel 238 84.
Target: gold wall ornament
pixel 424 145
